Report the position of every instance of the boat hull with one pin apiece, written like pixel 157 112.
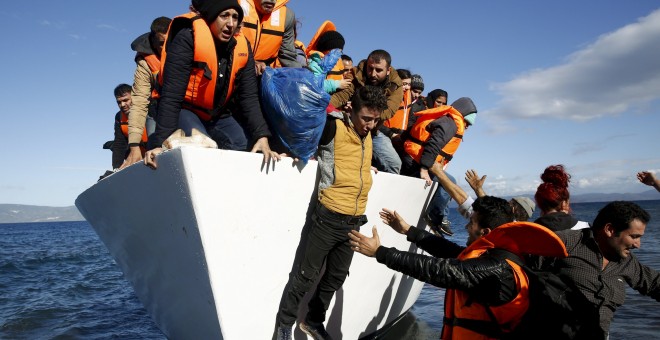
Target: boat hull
pixel 209 239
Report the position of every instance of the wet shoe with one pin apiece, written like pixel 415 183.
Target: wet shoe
pixel 284 333
pixel 445 228
pixel 316 332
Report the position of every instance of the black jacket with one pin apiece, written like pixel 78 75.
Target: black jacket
pixel 119 147
pixel 176 73
pixel 488 279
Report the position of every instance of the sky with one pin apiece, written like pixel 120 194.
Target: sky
pixel 557 82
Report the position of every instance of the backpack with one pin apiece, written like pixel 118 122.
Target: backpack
pixel 557 309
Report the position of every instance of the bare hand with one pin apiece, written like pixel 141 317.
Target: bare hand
pixel 394 220
pixel 646 177
pixel 374 169
pixel 365 245
pixel 133 157
pixel 343 84
pixel 269 155
pixel 150 157
pixel 424 174
pixel 259 67
pixel 475 182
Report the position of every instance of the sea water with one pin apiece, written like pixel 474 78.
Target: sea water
pixel 58 281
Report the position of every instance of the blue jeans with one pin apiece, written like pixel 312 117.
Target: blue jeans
pixel 385 157
pixel 438 208
pixel 225 131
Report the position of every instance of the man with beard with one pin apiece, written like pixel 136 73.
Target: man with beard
pixel 376 70
pixel 269 26
pixel 600 261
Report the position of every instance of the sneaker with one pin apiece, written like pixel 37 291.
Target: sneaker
pixel 443 228
pixel 284 333
pixel 316 332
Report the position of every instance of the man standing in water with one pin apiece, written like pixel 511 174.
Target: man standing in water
pixel 344 158
pixel 600 261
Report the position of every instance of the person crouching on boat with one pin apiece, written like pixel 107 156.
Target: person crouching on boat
pixel 487 295
pixel 207 77
pixel 344 157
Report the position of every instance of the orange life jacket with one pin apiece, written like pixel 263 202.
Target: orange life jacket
pixel 518 238
pixel 200 93
pixel 264 33
pixel 123 123
pixel 399 122
pixel 154 66
pixel 414 144
pixel 337 72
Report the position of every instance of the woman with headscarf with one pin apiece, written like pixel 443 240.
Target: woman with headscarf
pixel 208 82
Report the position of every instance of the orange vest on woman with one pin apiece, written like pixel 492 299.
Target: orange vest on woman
pixel 399 122
pixel 265 33
pixel 518 238
pixel 414 144
pixel 200 93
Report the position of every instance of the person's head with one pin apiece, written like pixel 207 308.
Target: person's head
pixel 488 213
pixel 552 195
pixel 619 227
pixel 377 68
pixel 223 17
pixel 265 6
pixel 158 33
pixel 405 78
pixel 367 103
pixel 435 98
pixel 417 86
pixel 329 40
pixel 348 64
pixel 466 107
pixel 123 97
pixel 523 208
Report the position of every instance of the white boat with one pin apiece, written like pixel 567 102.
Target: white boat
pixel 209 239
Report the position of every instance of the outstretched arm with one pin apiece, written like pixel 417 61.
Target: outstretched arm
pixel 649 179
pixel 452 189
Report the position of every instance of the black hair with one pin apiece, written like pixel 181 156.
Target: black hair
pixel 493 211
pixel 404 74
pixel 377 55
pixel 160 25
pixel 122 89
pixel 369 96
pixel 620 214
pixel 345 57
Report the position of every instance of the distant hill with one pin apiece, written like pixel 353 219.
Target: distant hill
pixel 18 213
pixel 640 196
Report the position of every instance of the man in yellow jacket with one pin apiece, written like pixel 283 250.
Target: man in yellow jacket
pixel 345 166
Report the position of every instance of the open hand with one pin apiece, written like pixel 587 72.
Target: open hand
pixel 394 220
pixel 365 245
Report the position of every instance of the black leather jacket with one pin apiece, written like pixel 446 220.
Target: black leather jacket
pixel 488 279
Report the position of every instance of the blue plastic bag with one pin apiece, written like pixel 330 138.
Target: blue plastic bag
pixel 294 103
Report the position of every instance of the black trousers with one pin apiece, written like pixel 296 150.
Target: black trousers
pixel 326 241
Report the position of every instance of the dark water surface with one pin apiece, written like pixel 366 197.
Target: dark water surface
pixel 57 281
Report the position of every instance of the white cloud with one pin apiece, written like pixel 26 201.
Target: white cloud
pixel 75 36
pixel 617 73
pixel 110 27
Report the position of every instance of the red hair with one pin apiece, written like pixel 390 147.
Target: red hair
pixel 554 189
